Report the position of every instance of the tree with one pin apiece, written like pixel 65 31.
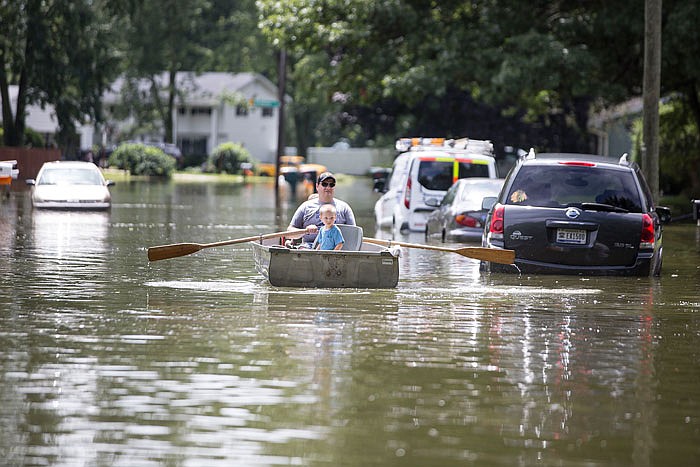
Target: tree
pixel 57 53
pixel 165 37
pixel 161 40
pixel 546 63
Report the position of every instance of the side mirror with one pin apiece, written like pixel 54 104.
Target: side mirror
pixel 664 214
pixel 488 202
pixel 30 181
pixel 109 182
pixel 433 202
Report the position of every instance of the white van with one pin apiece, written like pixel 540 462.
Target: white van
pixel 421 176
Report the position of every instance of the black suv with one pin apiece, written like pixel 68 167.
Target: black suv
pixel 577 214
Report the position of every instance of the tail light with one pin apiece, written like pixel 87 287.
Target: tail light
pixel 407 194
pixel 467 220
pixel 496 225
pixel 648 234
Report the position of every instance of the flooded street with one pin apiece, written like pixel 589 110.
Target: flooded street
pixel 107 359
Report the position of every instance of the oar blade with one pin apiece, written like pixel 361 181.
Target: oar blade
pixel 156 253
pixel 492 255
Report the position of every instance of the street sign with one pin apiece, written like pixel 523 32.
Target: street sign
pixel 266 103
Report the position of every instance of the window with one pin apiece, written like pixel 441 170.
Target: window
pixel 435 175
pixel 268 111
pixel 241 110
pixel 201 110
pixel 193 145
pixel 471 169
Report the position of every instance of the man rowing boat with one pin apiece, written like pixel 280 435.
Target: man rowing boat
pixel 307 214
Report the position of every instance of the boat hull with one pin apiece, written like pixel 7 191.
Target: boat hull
pixel 376 268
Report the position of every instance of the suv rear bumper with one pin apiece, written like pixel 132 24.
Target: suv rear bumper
pixel 642 267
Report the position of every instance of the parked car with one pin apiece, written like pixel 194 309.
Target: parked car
pixel 422 174
pixel 577 214
pixel 70 185
pixel 462 212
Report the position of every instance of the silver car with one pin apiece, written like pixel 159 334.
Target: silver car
pixel 462 213
pixel 70 185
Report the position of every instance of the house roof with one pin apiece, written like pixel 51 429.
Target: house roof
pixel 200 88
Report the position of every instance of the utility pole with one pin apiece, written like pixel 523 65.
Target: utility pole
pixel 651 90
pixel 281 85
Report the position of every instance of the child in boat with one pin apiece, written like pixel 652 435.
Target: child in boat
pixel 329 235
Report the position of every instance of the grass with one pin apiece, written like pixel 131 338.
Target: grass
pixel 183 176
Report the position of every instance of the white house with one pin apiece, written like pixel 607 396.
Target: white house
pixel 612 127
pixel 215 108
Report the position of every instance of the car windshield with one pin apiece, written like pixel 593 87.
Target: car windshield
pixel 565 185
pixel 69 176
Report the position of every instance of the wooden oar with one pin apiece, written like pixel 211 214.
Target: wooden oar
pixel 485 254
pixel 156 253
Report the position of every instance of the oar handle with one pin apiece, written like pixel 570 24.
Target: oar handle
pixel 157 253
pixel 253 238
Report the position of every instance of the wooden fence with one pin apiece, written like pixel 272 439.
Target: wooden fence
pixel 29 161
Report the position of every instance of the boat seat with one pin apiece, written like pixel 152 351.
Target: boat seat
pixel 352 235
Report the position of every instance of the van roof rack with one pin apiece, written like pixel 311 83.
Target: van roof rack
pixel 422 143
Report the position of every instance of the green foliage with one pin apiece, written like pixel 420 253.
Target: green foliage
pixel 140 159
pixel 65 55
pixel 228 157
pixel 679 140
pixel 31 138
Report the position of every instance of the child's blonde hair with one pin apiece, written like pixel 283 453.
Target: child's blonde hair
pixel 327 208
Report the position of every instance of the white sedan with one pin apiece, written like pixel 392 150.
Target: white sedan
pixel 70 185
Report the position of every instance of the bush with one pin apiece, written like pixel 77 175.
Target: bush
pixel 140 159
pixel 228 157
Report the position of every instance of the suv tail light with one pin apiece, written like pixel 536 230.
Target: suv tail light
pixel 467 221
pixel 407 194
pixel 496 224
pixel 648 235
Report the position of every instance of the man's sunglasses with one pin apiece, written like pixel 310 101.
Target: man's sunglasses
pixel 330 184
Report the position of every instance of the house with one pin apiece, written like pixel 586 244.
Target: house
pixel 213 108
pixel 612 127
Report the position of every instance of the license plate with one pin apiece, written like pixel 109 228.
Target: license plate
pixel 574 237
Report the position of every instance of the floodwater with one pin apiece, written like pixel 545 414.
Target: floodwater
pixel 107 360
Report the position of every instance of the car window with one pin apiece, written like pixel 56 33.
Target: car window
pixel 471 169
pixel 472 196
pixel 63 176
pixel 558 186
pixel 435 175
pixel 450 195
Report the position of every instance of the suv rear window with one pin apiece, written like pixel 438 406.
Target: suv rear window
pixel 560 185
pixel 439 175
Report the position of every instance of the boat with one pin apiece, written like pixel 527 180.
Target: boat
pixel 358 265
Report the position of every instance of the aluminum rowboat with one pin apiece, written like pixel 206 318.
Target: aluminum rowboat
pixel 372 266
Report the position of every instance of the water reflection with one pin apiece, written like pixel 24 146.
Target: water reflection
pixel 109 360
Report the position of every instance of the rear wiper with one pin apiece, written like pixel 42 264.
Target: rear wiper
pixel 602 207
